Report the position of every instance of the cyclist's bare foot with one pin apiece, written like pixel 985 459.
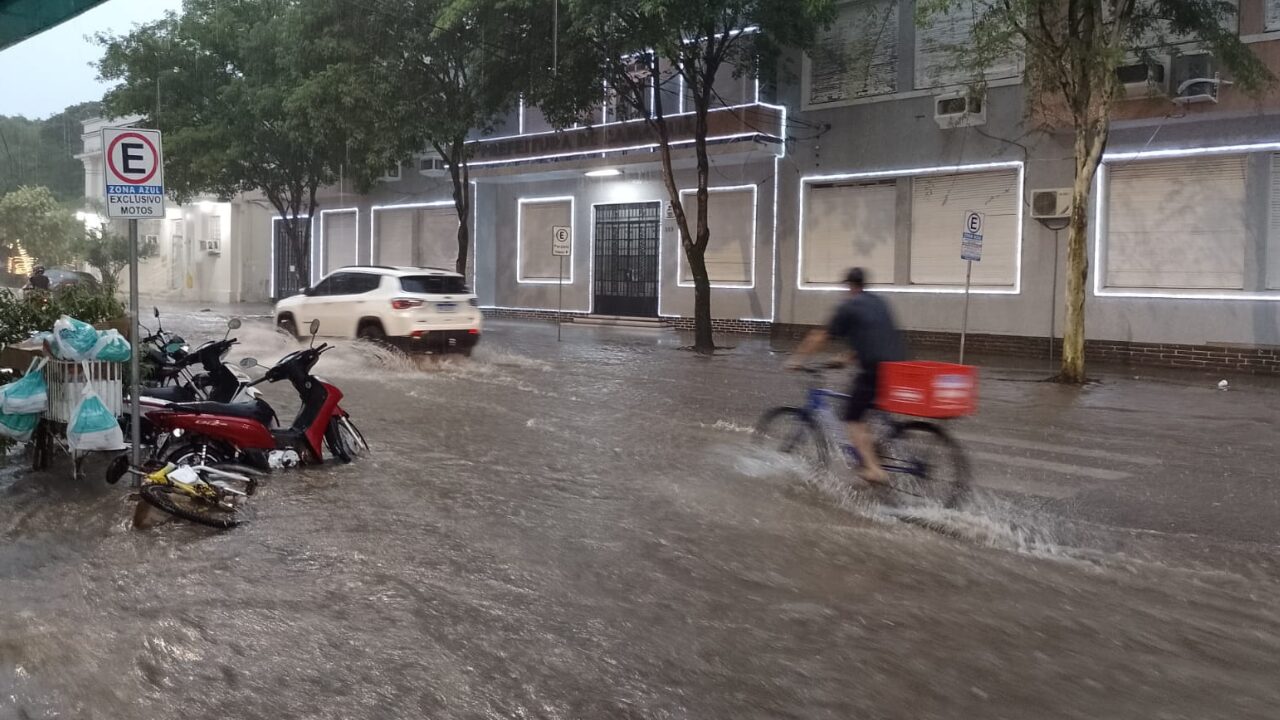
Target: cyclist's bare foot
pixel 874 477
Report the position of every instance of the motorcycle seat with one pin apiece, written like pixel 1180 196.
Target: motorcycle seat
pixel 257 410
pixel 171 393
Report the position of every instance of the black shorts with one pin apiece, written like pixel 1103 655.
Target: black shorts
pixel 862 397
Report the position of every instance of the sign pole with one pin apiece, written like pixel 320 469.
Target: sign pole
pixel 133 175
pixel 560 300
pixel 970 252
pixel 135 374
pixel 964 326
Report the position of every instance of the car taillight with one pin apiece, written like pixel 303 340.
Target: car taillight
pixel 474 331
pixel 474 302
pixel 405 303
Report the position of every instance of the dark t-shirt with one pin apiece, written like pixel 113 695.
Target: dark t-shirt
pixel 865 322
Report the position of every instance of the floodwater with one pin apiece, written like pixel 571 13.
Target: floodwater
pixel 585 530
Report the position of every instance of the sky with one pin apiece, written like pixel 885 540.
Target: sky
pixel 47 72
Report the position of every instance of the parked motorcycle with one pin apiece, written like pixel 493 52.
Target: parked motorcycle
pixel 209 433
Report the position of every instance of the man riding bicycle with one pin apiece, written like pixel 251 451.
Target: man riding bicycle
pixel 864 321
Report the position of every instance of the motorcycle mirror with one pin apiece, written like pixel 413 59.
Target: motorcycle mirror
pixel 155 311
pixel 233 324
pixel 315 327
pixel 248 363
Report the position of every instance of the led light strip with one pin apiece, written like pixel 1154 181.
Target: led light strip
pixel 271 277
pixel 918 172
pixel 520 203
pixel 323 249
pixel 680 256
pixel 1101 196
pixel 375 232
pixel 682 112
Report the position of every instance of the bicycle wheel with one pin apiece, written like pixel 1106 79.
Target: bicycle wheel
pixel 793 431
pixel 337 442
pixel 354 436
pixel 924 461
pixel 174 501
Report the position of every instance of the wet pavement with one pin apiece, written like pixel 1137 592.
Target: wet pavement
pixel 586 530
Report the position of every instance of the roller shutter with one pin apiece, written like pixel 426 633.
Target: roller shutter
pixel 340 240
pixel 731 218
pixel 847 226
pixel 939 204
pixel 1176 224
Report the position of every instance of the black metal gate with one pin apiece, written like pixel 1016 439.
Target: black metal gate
pixel 287 280
pixel 626 259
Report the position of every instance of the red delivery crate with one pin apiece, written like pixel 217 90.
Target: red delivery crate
pixel 928 389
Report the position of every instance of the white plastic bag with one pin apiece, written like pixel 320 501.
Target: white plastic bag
pixel 18 427
pixel 111 347
pixel 93 427
pixel 72 339
pixel 29 394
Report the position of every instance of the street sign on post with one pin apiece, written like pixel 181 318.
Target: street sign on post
pixel 970 252
pixel 133 175
pixel 561 241
pixel 133 170
pixel 561 247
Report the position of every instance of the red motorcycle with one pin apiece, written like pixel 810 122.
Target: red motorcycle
pixel 208 433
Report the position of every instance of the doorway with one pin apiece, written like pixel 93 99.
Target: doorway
pixel 626 259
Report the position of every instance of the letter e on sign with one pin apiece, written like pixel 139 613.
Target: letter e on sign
pixel 133 173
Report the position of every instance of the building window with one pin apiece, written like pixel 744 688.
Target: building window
pixel 939 204
pixel 935 61
pixel 416 236
pixel 537 219
pixel 846 226
pixel 1176 224
pixel 1272 19
pixel 856 57
pixel 730 253
pixel 339 240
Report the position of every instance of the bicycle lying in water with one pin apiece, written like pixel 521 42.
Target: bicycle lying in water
pixel 920 456
pixel 199 493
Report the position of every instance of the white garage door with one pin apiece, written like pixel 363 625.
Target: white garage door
pixel 340 240
pixel 1176 224
pixel 416 237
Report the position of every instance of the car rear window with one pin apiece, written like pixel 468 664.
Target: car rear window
pixel 433 285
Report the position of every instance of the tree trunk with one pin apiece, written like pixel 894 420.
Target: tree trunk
pixel 703 340
pixel 1091 138
pixel 460 174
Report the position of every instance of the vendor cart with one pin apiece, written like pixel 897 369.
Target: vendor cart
pixel 67 382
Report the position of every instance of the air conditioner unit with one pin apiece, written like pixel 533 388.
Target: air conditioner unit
pixel 433 166
pixel 1144 80
pixel 1051 204
pixel 1195 79
pixel 959 109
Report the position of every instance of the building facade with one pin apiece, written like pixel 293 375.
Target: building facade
pixel 874 164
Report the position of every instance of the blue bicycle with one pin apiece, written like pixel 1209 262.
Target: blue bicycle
pixel 921 457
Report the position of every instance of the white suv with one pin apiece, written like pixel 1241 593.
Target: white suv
pixel 409 308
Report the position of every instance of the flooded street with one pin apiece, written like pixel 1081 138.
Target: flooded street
pixel 586 530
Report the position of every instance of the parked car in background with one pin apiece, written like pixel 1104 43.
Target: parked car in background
pixel 412 309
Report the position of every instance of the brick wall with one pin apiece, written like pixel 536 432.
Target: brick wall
pixel 549 315
pixel 744 327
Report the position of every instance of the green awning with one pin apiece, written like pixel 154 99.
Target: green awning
pixel 20 19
